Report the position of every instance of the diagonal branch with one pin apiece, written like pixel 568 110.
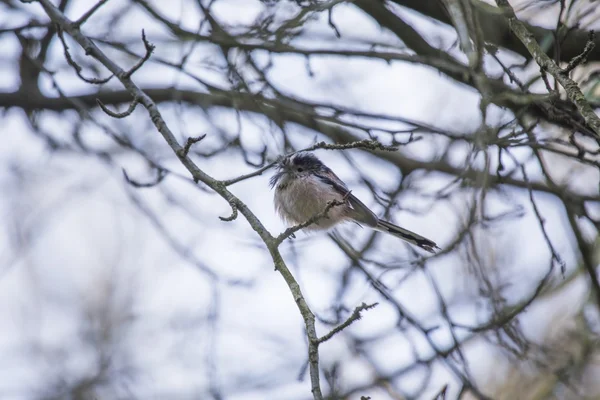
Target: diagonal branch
pixel 547 64
pixel 355 316
pixel 124 77
pixel 497 32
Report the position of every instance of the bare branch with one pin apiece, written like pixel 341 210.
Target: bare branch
pixel 159 178
pixel 355 316
pixel 118 115
pixel 367 144
pixel 188 145
pixel 315 218
pixel 234 213
pixel 542 222
pixel 91 49
pixel 78 69
pixel 89 13
pixel 545 62
pixel 240 178
pixel 149 49
pixel 581 58
pixel 466 173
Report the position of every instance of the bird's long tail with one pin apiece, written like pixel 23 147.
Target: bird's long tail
pixel 407 235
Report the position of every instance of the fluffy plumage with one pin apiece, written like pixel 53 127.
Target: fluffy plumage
pixel 303 188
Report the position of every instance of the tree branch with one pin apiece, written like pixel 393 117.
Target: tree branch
pixel 497 31
pixel 355 316
pixel 315 218
pixel 134 91
pixel 256 104
pixel 546 63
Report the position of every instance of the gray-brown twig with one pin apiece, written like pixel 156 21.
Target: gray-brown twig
pixel 355 316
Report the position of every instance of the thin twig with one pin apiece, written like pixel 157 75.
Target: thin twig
pixel 315 218
pixel 118 115
pixel 240 178
pixel 370 144
pixel 234 213
pixel 149 49
pixel 89 13
pixel 542 223
pixel 159 178
pixel 332 24
pixel 355 316
pixel 183 152
pixel 580 59
pixel 572 89
pixel 78 69
pixel 441 395
pixel 271 243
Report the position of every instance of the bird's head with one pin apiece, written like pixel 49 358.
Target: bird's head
pixel 296 166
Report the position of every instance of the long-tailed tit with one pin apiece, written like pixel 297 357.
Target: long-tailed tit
pixel 303 188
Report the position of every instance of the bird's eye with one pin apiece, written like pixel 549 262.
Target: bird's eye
pixel 300 169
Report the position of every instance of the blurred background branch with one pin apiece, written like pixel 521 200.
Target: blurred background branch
pixel 449 123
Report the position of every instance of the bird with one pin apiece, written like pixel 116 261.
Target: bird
pixel 304 187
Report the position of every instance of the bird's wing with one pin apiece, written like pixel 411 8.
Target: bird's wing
pixel 360 212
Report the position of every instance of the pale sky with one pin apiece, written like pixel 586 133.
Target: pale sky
pixel 73 244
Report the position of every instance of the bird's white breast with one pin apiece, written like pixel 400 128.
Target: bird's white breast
pixel 300 199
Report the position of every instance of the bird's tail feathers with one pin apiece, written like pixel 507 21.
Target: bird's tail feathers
pixel 407 236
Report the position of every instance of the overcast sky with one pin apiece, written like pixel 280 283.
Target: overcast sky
pixel 74 245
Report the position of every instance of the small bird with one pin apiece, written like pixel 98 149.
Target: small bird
pixel 304 186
